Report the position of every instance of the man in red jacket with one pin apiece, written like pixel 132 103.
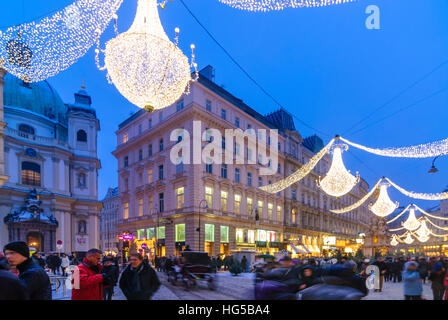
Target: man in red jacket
pixel 87 282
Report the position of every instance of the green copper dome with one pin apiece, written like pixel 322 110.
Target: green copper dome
pixel 37 97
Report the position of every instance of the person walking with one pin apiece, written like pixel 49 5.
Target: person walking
pixel 33 277
pixel 244 263
pixel 11 288
pixel 383 268
pixel 88 280
pixel 423 268
pixel 65 262
pixel 437 281
pixel 37 259
pixel 139 281
pixel 111 269
pixel 412 283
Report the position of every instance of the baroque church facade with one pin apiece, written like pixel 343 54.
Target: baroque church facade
pixel 50 197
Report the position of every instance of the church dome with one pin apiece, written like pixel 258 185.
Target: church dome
pixel 40 98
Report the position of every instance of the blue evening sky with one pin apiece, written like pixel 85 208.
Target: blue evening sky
pixel 322 64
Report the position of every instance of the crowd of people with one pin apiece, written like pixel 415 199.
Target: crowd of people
pixel 95 276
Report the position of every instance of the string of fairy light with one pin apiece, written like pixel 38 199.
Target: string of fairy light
pixel 276 5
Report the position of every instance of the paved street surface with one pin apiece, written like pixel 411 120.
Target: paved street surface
pixel 240 288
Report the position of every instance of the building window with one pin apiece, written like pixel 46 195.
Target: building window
pixel 139 129
pixel 160 116
pixel 180 168
pixel 149 123
pixel 209 232
pixel 208 105
pixel 209 166
pixel 249 207
pixel 293 194
pixel 237 204
pixel 237 122
pixel 30 173
pixel 140 155
pixel 180 197
pixel 270 210
pixel 180 105
pixel 209 196
pixel 224 234
pixel 126 161
pixel 161 145
pixel 260 208
pixel 237 175
pixel 223 114
pixel 224 200
pixel 126 210
pixel 179 231
pixel 249 179
pixel 140 207
pixel 149 176
pixel 260 181
pixel 26 130
pixel 81 180
pixel 150 205
pixel 150 150
pixel 161 172
pixel 223 143
pixel 150 233
pixel 161 232
pixel 224 171
pixel 125 137
pixel 161 202
pixel 279 212
pixel 81 136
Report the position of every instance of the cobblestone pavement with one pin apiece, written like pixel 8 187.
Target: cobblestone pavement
pixel 394 291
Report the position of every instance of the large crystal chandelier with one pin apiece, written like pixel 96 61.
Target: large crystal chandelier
pixel 41 49
pixel 423 231
pixel 394 241
pixel 411 223
pixel 269 5
pixel 409 239
pixel 144 65
pixel 338 181
pixel 383 205
pixel 423 238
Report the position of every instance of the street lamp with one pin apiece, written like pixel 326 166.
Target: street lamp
pixel 202 205
pixel 433 167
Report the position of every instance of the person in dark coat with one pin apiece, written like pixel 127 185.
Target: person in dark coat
pixel 37 259
pixel 32 276
pixel 437 281
pixel 423 269
pixel 11 288
pixel 307 277
pixel 383 269
pixel 113 272
pixel 139 281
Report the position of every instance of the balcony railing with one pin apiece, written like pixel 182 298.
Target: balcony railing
pixel 34 138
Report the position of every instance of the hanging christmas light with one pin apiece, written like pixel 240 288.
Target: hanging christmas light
pixel 423 238
pixel 38 50
pixel 299 174
pixel 144 65
pixel 428 150
pixel 383 205
pixel 411 223
pixel 270 5
pixel 394 241
pixel 338 181
pixel 421 196
pixel 409 239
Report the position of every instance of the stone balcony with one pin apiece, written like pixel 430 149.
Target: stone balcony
pixel 34 138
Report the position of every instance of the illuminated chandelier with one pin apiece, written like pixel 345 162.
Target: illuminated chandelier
pixel 423 231
pixel 144 65
pixel 394 241
pixel 338 181
pixel 383 205
pixel 423 238
pixel 270 5
pixel 38 50
pixel 409 239
pixel 411 223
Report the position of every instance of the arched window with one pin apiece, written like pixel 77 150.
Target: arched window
pixel 81 136
pixel 26 130
pixel 30 173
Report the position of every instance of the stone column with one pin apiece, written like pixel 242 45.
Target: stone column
pixel 3 177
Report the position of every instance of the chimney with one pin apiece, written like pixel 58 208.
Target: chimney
pixel 208 72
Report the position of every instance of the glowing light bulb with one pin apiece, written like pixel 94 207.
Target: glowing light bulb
pixel 338 181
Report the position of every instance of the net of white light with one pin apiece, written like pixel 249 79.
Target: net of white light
pixel 271 5
pixel 41 49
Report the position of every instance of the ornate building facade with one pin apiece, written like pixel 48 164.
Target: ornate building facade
pixel 219 208
pixel 108 222
pixel 50 152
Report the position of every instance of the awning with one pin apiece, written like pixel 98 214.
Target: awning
pixel 308 249
pixel 299 249
pixel 316 249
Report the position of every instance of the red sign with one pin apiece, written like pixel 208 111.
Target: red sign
pixel 120 237
pixel 59 242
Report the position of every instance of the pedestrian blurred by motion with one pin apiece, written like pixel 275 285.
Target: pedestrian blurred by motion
pixel 307 277
pixel 32 276
pixel 113 272
pixel 364 266
pixel 88 281
pixel 383 268
pixel 139 281
pixel 423 268
pixel 437 281
pixel 65 262
pixel 244 263
pixel 412 283
pixel 37 259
